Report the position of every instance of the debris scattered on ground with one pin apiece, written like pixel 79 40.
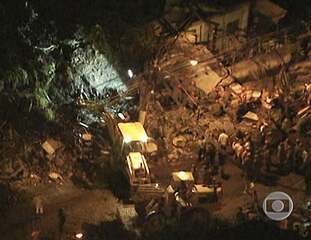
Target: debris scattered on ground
pixel 87 136
pixel 251 116
pixel 179 141
pixel 56 177
pixel 51 145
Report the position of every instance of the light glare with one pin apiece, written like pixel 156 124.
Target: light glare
pixel 79 235
pixel 144 138
pixel 193 62
pixel 127 139
pixel 130 73
pixel 121 115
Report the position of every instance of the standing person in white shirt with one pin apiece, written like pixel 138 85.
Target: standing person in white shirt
pixel 221 151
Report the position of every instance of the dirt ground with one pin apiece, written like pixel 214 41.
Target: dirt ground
pixel 233 197
pixel 80 206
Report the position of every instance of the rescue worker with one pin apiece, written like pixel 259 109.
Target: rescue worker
pixel 248 173
pixel 210 155
pixel 221 155
pixel 288 156
pixel 202 149
pixel 305 158
pixel 38 202
pixel 240 216
pixel 281 156
pixel 308 178
pixel 61 222
pixel 307 93
pixel 238 149
pixel 267 156
pixel 257 166
pixel 297 156
pixel 223 139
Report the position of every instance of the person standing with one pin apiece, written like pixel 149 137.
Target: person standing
pixel 221 152
pixel 210 155
pixel 297 155
pixel 281 156
pixel 38 201
pixel 61 222
pixel 267 156
pixel 202 149
pixel 240 216
pixel 308 178
pixel 288 156
pixel 223 139
pixel 305 159
pixel 257 166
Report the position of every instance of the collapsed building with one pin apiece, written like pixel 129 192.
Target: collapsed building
pixel 202 87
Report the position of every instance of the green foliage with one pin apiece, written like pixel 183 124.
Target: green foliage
pixel 17 83
pixel 16 78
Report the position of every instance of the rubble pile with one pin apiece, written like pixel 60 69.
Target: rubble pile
pixel 257 115
pixel 42 158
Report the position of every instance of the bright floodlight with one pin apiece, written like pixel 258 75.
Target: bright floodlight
pixel 79 235
pixel 193 62
pixel 144 138
pixel 127 139
pixel 121 115
pixel 130 73
pixel 182 174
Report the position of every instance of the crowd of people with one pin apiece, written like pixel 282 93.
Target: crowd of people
pixel 275 147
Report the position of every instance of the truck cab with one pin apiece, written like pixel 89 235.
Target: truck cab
pixel 137 169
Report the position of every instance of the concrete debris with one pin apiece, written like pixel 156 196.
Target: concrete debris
pixel 172 157
pixel 55 177
pixel 303 112
pixel 87 137
pixel 179 141
pixel 105 152
pixel 51 145
pixel 151 147
pixel 236 88
pixel 34 176
pixel 256 94
pixel 251 116
pixel 216 109
pixel 235 103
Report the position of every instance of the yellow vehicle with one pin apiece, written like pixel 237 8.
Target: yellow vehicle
pixel 131 146
pixel 186 193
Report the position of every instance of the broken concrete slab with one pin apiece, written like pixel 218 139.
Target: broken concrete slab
pixel 179 141
pixel 56 176
pixel 236 88
pixel 207 82
pixel 251 116
pixel 256 94
pixel 151 147
pixel 87 137
pixel 51 145
pixel 302 112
